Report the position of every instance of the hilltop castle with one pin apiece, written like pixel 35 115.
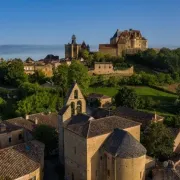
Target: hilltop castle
pixel 128 42
pixel 72 49
pixel 99 149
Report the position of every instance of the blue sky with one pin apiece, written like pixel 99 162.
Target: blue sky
pixel 95 21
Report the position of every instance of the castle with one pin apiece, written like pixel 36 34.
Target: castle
pixel 107 148
pixel 124 42
pixel 73 49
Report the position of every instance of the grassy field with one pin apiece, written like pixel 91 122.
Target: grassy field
pixel 165 100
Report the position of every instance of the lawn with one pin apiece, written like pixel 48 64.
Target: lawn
pixel 165 100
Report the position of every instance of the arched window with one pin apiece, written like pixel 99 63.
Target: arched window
pixel 76 94
pixel 79 107
pixel 72 108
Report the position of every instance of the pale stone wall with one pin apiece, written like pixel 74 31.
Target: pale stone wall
pixel 177 144
pixel 128 168
pixel 105 102
pixel 101 71
pixel 14 135
pixel 80 98
pixel 36 173
pixel 134 131
pixel 108 50
pixel 75 153
pixel 72 50
pixel 93 156
pixel 61 123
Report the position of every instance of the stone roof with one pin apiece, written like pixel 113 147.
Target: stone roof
pixel 50 119
pixel 122 144
pixel 6 127
pixel 21 122
pixel 87 127
pixel 19 160
pixel 139 116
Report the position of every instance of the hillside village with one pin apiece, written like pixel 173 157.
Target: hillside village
pixel 106 115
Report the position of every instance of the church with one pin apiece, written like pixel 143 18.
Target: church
pixel 107 148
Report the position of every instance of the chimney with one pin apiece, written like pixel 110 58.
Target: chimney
pixel 36 120
pixel 26 116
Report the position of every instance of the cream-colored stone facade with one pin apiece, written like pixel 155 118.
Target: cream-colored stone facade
pixel 82 152
pixel 11 138
pixel 124 42
pixel 102 68
pixel 30 68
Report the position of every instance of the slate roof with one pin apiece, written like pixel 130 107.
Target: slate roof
pixel 139 116
pixel 175 131
pixel 17 161
pixel 87 127
pixel 122 144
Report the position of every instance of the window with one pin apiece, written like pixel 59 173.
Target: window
pixel 72 176
pixel 108 172
pixel 96 173
pixel 140 174
pixel 79 107
pixel 72 108
pixel 9 139
pixel 76 94
pixel 20 136
pixel 74 150
pixel 101 158
pixel 99 67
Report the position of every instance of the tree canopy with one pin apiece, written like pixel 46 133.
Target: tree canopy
pixel 127 97
pixel 158 141
pixel 47 135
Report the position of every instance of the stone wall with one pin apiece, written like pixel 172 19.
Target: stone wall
pixel 104 71
pixel 13 135
pixel 75 156
pixel 128 168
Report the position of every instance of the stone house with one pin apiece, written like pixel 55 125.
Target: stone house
pixel 94 149
pixel 22 161
pixel 104 100
pixel 124 42
pixel 20 156
pixel 101 68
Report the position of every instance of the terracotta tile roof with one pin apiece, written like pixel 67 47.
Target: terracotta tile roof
pixel 122 144
pixel 22 123
pixel 47 119
pixel 86 126
pixel 22 159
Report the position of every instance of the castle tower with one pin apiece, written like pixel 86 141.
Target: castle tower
pixel 74 104
pixel 72 49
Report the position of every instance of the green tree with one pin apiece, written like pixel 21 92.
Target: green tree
pixel 37 77
pixel 84 54
pixel 3 71
pixel 47 135
pixel 158 141
pixel 127 97
pixel 79 73
pixel 61 76
pixel 15 73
